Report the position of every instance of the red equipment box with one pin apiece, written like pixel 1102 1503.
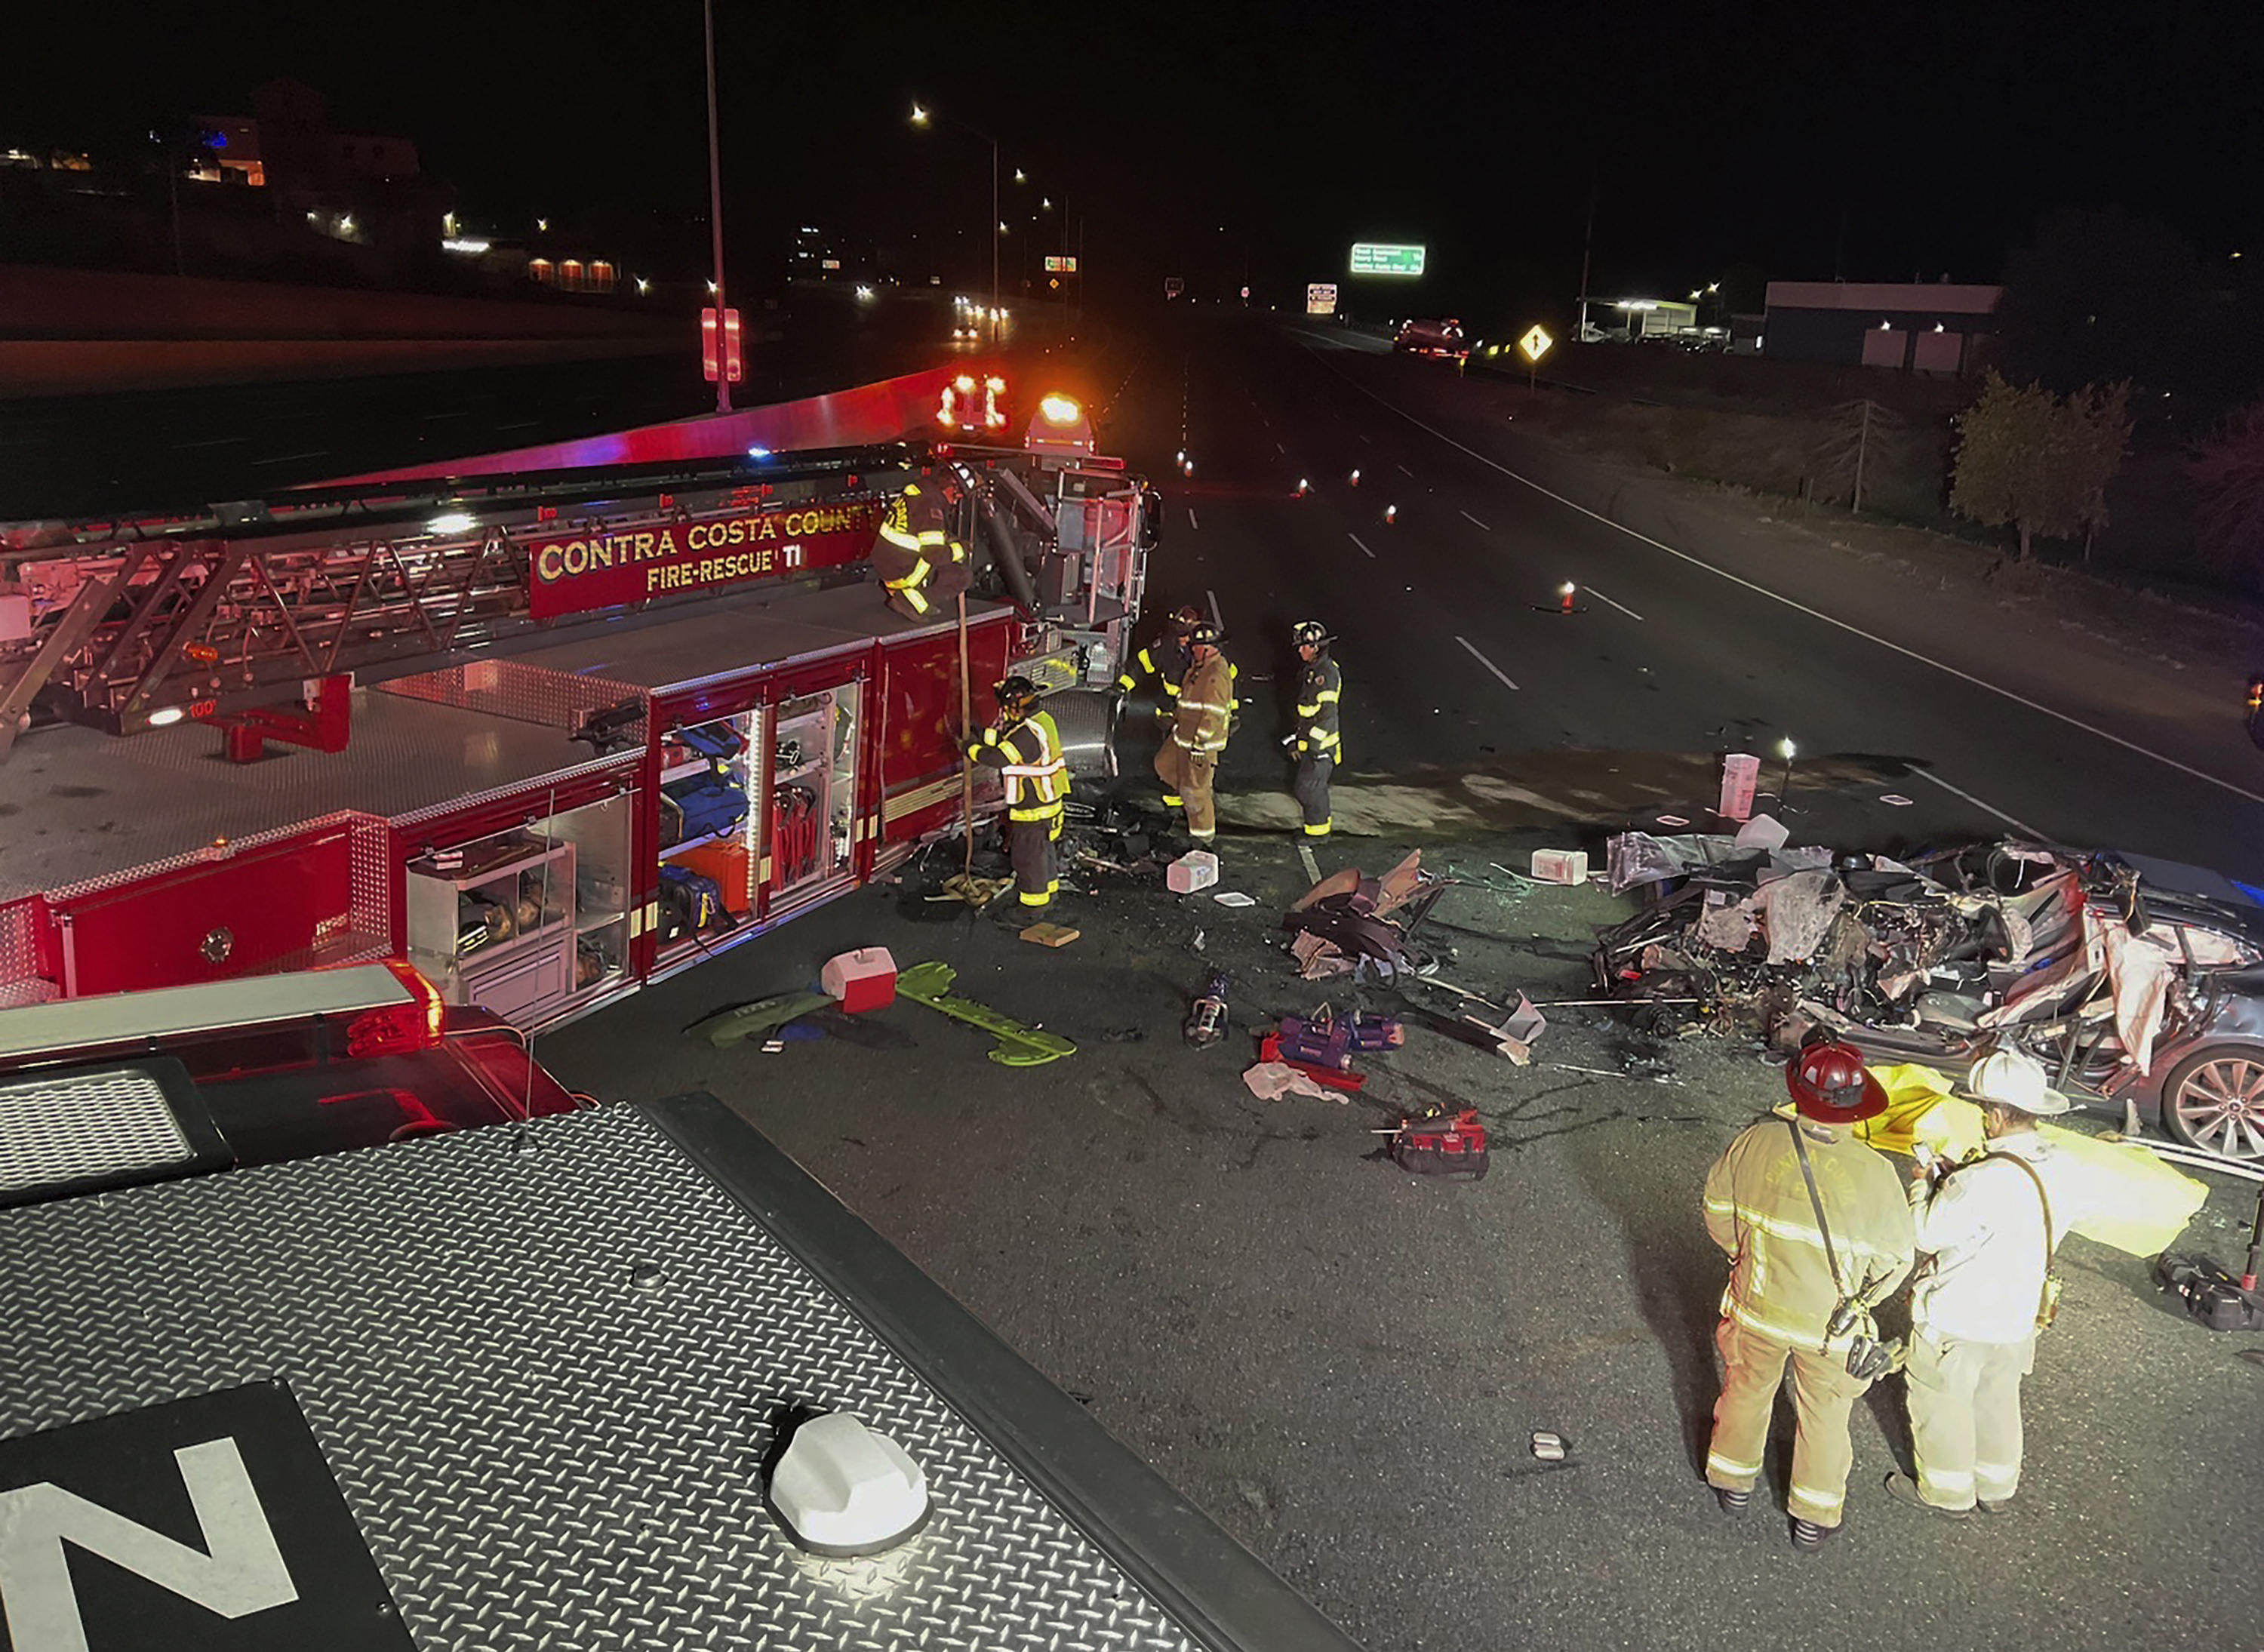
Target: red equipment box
pixel 863 980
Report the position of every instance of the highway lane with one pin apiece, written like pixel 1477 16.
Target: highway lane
pixel 1697 633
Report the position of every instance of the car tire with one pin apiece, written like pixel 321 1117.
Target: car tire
pixel 2214 1100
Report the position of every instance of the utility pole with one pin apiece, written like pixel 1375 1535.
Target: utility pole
pixel 1587 249
pixel 715 221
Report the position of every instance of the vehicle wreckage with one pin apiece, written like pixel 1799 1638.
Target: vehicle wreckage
pixel 2138 983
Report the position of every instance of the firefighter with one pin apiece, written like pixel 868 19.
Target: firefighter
pixel 1165 659
pixel 1317 740
pixel 1201 721
pixel 1818 1230
pixel 1991 1226
pixel 916 559
pixel 1026 747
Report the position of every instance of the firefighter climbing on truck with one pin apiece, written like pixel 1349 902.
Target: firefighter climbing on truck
pixel 918 558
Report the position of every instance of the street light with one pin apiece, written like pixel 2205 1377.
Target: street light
pixel 920 117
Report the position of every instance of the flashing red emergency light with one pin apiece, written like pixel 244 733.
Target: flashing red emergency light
pixel 1060 423
pixel 721 354
pixel 965 403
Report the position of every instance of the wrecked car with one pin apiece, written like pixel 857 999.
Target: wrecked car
pixel 2136 981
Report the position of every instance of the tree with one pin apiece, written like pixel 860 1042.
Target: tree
pixel 2228 472
pixel 2036 463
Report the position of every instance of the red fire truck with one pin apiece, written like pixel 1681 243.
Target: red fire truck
pixel 545 729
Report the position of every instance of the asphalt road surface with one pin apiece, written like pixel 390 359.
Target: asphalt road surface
pixel 1345 1364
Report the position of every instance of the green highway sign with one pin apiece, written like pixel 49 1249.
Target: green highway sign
pixel 1370 257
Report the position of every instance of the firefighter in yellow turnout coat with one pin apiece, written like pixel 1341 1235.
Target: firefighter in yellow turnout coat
pixel 1199 730
pixel 1026 747
pixel 916 558
pixel 1168 660
pixel 1806 1268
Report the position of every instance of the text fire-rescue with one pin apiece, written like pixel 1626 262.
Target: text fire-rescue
pixel 766 535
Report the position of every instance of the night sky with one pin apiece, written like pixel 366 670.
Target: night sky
pixel 1743 143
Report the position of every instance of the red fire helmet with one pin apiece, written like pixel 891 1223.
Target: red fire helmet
pixel 1829 1083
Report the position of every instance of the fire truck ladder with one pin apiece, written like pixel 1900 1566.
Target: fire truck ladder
pixel 238 607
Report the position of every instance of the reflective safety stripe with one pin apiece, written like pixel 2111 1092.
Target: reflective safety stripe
pixel 910 595
pixel 1953 1486
pixel 1321 830
pixel 1799 1232
pixel 1826 1504
pixel 1201 837
pixel 921 571
pixel 1330 696
pixel 1036 900
pixel 1172 800
pixel 1035 811
pixel 1717 1464
pixel 1753 1319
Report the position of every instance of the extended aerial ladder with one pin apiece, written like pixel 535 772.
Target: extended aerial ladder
pixel 250 616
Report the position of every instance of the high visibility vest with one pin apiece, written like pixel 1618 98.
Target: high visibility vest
pixel 1029 756
pixel 1319 690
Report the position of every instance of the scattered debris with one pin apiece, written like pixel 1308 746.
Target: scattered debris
pixel 1549 1447
pixel 1560 865
pixel 1896 799
pixel 1270 1081
pixel 1371 919
pixel 1124 1035
pixel 1234 898
pixel 1197 869
pixel 1318 958
pixel 1050 934
pixel 1018 1046
pixel 1206 1023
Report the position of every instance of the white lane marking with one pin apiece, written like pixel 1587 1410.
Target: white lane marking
pixel 1190 519
pixel 285 459
pixel 1481 526
pixel 2020 826
pixel 1482 659
pixel 1404 470
pixel 217 441
pixel 1356 540
pixel 1942 666
pixel 1279 449
pixel 1622 606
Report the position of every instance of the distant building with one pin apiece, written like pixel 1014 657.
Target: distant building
pixel 1921 327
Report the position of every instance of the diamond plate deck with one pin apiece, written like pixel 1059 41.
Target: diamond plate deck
pixel 540 1363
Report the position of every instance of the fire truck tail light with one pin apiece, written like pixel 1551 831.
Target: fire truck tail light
pixel 1060 410
pixel 395 1029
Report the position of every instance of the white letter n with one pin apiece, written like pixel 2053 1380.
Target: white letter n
pixel 243 1573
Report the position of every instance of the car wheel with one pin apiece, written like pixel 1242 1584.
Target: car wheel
pixel 2214 1100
